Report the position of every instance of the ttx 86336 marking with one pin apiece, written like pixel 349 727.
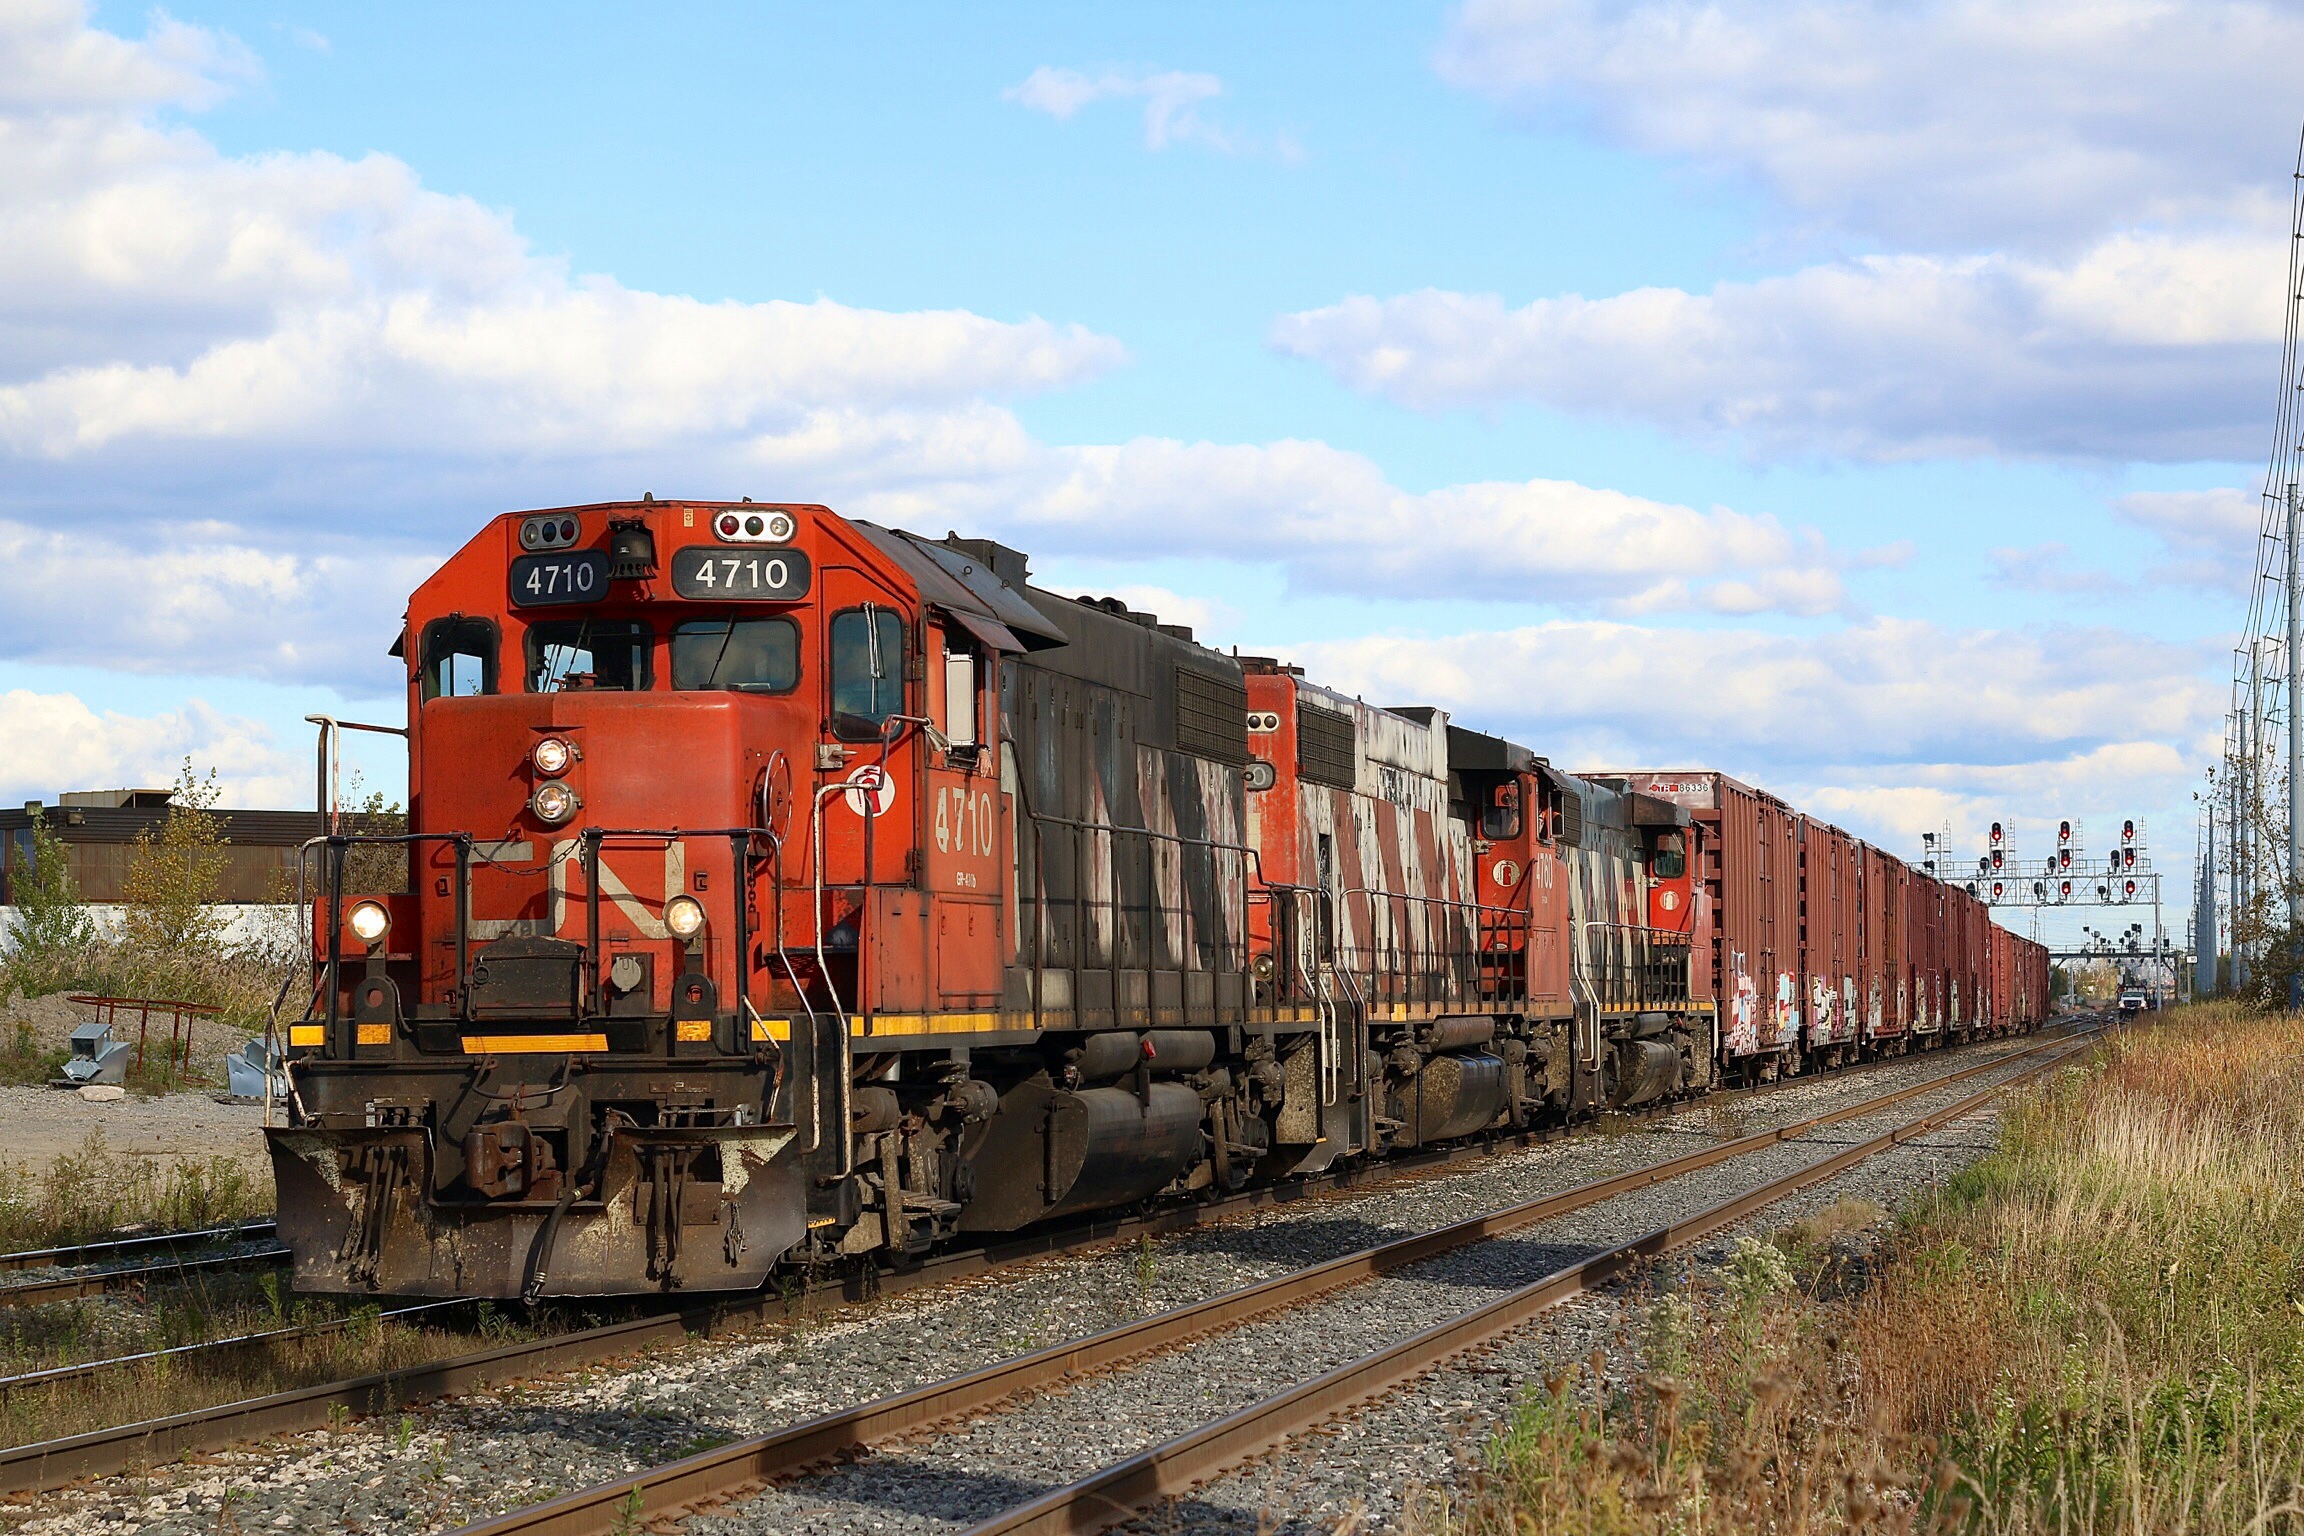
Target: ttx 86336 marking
pixel 777 886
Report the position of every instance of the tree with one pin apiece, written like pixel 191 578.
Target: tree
pixel 171 931
pixel 53 943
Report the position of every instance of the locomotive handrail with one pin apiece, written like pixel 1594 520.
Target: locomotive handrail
pixel 1458 960
pixel 337 843
pixel 331 735
pixel 1251 874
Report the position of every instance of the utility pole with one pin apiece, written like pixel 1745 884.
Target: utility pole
pixel 2204 919
pixel 2295 870
pixel 2243 829
pixel 2232 843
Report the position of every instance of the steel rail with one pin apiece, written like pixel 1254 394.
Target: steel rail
pixel 106 1249
pixel 717 1475
pixel 95 1282
pixel 1122 1491
pixel 97 1453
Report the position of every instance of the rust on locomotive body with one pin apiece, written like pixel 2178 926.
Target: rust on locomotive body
pixel 783 887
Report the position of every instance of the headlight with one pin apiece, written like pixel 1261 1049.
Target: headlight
pixel 553 803
pixel 370 921
pixel 552 757
pixel 684 915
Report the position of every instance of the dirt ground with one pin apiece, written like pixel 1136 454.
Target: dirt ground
pixel 39 1124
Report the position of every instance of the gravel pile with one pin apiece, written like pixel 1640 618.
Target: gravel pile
pixel 457 1461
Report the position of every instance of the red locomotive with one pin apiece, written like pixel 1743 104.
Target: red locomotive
pixel 782 887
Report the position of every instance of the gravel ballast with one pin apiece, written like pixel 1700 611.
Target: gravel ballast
pixel 456 1461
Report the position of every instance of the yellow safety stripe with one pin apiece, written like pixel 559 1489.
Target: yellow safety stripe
pixel 529 1045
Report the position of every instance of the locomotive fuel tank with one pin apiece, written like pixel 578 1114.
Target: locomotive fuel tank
pixel 1641 1071
pixel 1452 1095
pixel 1049 1152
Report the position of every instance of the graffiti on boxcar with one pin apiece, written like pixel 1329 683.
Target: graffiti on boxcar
pixel 1743 1007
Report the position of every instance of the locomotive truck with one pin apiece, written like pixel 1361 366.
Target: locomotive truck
pixel 780 888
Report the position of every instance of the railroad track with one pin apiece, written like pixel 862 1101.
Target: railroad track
pixel 52 1463
pixel 81 1255
pixel 35 1293
pixel 1115 1494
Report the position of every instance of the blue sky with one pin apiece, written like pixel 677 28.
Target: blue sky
pixel 1862 398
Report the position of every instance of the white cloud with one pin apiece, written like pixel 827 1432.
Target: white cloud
pixel 1333 522
pixel 57 743
pixel 2210 536
pixel 1944 123
pixel 359 369
pixel 206 598
pixel 1887 725
pixel 2049 568
pixel 156 294
pixel 2100 786
pixel 1171 98
pixel 1881 691
pixel 2147 347
pixel 52 62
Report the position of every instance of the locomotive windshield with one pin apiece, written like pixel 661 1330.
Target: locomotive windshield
pixel 1671 861
pixel 747 655
pixel 567 654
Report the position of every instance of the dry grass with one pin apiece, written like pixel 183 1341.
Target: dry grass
pixel 96 1191
pixel 2098 1329
pixel 245 1303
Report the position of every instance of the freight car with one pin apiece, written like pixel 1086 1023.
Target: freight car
pixel 782 887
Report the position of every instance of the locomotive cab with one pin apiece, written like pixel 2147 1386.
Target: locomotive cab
pixel 662 757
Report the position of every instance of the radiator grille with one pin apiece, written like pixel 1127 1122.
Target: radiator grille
pixel 1324 746
pixel 1212 716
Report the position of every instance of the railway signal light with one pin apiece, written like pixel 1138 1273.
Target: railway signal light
pixel 1997 858
pixel 2039 890
pixel 2128 891
pixel 2128 857
pixel 1971 887
pixel 2063 833
pixel 2103 893
pixel 2064 858
pixel 2064 891
pixel 2128 830
pixel 1998 837
pixel 1998 890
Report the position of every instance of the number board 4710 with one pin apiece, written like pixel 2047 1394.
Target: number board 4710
pixel 700 572
pixel 573 576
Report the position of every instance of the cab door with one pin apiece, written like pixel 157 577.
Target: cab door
pixel 869 762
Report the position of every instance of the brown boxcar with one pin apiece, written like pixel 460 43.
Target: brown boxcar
pixel 1883 945
pixel 1924 970
pixel 1749 848
pixel 1831 908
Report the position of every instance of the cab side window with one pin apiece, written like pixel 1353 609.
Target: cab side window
pixel 1500 817
pixel 1671 860
pixel 867 671
pixel 457 658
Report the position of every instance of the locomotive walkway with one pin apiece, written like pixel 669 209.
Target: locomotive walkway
pixel 715 1479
